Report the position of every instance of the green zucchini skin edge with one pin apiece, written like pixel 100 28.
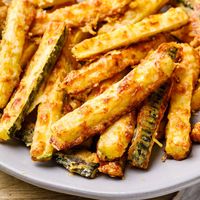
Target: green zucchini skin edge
pixel 43 76
pixel 186 3
pixel 153 110
pixel 77 165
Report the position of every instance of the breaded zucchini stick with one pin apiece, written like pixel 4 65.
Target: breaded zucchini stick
pixel 49 111
pixel 20 16
pixel 178 129
pixel 135 14
pixel 196 97
pixel 114 141
pixel 97 114
pixel 132 33
pixel 49 3
pixel 148 122
pixel 195 135
pixel 36 72
pixel 75 37
pixel 121 139
pixel 3 14
pixel 87 12
pixel 108 65
pixel 51 107
pixel 83 163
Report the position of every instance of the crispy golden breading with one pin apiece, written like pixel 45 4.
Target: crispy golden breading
pixel 97 114
pixel 195 135
pixel 36 73
pixel 49 111
pixel 196 98
pixel 20 16
pixel 106 84
pixel 75 37
pixel 114 141
pixel 134 14
pixel 114 169
pixel 108 65
pixel 49 3
pixel 51 101
pixel 3 14
pixel 87 12
pixel 132 33
pixel 178 129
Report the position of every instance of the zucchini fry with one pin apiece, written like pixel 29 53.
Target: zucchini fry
pixel 3 14
pixel 37 71
pixel 195 135
pixel 51 107
pixel 135 14
pixel 114 141
pixel 97 114
pixel 116 138
pixel 49 3
pixel 196 98
pixel 132 33
pixel 113 168
pixel 20 16
pixel 88 12
pixel 178 129
pixel 49 111
pixel 75 36
pixel 148 122
pixel 81 162
pixel 108 65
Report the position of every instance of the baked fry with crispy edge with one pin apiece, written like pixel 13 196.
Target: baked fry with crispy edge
pixel 37 71
pixel 98 113
pixel 132 33
pixel 51 107
pixel 108 65
pixel 178 143
pixel 19 18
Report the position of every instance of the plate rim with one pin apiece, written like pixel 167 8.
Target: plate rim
pixel 98 195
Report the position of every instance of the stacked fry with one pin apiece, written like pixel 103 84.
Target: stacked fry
pixel 95 84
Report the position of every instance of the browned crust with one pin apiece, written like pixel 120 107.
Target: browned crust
pixel 195 135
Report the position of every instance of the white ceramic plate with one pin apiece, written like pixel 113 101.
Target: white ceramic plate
pixel 160 179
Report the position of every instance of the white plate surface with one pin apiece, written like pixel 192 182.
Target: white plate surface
pixel 160 179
